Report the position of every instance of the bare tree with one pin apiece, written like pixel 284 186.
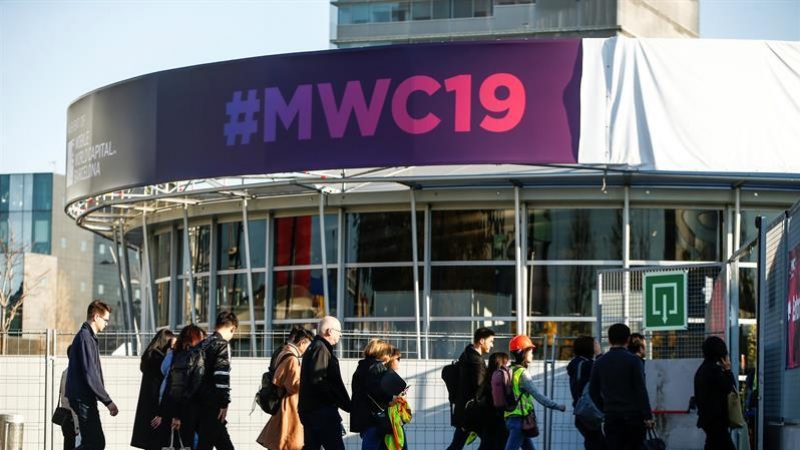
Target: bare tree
pixel 14 286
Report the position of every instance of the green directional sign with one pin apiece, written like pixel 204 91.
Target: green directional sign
pixel 665 301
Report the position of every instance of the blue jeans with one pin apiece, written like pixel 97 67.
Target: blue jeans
pixel 322 428
pixel 92 437
pixel 516 439
pixel 371 439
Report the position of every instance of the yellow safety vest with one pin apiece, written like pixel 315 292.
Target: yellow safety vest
pixel 525 403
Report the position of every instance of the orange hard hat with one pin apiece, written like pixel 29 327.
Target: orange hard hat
pixel 519 343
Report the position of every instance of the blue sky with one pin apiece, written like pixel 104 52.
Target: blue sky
pixel 52 52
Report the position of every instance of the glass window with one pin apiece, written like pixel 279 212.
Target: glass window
pixel 5 194
pixel 200 248
pixel 199 304
pixel 41 232
pixel 298 243
pixel 483 8
pixel 4 231
pixel 257 233
pixel 381 12
pixel 676 235
pixel 162 304
pixel 748 230
pixel 380 292
pixel 574 234
pixel 561 290
pixel 162 262
pixel 462 8
pixel 353 14
pixel 232 295
pixel 230 253
pixel 400 11
pixel 300 294
pixel 382 237
pixel 472 235
pixel 42 191
pixel 441 10
pixel 748 295
pixel 484 291
pixel 422 10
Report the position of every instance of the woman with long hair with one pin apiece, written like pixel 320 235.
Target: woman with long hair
pixel 495 434
pixel 579 369
pixel 143 435
pixel 521 348
pixel 713 381
pixel 174 414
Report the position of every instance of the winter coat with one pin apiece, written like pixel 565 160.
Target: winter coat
pixel 284 431
pixel 471 377
pixel 147 407
pixel 712 384
pixel 367 383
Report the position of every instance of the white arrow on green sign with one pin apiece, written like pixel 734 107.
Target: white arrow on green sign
pixel 665 301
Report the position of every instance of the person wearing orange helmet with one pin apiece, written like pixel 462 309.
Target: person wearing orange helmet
pixel 521 348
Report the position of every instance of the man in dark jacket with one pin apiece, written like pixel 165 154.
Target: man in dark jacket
pixel 215 392
pixel 713 381
pixel 618 389
pixel 322 391
pixel 85 385
pixel 472 371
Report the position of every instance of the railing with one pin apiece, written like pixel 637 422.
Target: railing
pixel 30 374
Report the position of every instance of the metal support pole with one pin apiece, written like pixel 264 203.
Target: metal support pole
pixel 251 307
pixel 761 224
pixel 187 266
pixel 126 271
pixel 520 279
pixel 325 259
pixel 148 300
pixel 415 261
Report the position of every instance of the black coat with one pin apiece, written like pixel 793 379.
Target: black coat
pixel 367 383
pixel 143 435
pixel 711 387
pixel 321 382
pixel 472 372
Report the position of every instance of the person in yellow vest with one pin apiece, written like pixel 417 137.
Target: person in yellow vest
pixel 521 349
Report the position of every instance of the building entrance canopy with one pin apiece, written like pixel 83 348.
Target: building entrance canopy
pixel 435 113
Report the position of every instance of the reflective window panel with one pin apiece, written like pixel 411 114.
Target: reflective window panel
pixel 574 234
pixel 383 237
pixel 478 235
pixel 676 234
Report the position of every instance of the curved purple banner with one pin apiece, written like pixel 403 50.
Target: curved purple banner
pixel 405 105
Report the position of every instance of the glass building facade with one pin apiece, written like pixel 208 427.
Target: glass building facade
pixel 448 267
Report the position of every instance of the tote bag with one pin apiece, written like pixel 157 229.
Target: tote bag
pixel 735 415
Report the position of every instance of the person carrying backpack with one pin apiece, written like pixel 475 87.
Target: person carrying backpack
pixel 471 374
pixel 284 431
pixel 215 391
pixel 495 386
pixel 175 414
pixel 521 348
pixel 579 369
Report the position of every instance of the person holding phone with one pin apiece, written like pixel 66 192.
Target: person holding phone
pixel 713 381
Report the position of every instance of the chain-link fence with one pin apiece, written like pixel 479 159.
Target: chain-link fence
pixel 622 300
pixel 30 375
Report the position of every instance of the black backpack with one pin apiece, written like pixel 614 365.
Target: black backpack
pixel 187 372
pixel 269 395
pixel 451 374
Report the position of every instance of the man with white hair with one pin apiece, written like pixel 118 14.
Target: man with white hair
pixel 322 391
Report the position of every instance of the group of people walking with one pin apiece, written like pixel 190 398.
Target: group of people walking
pixel 199 420
pixel 493 402
pixel 616 386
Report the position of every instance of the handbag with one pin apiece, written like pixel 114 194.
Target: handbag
pixel 381 419
pixel 62 415
pixel 735 415
pixel 653 442
pixel 172 442
pixel 530 428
